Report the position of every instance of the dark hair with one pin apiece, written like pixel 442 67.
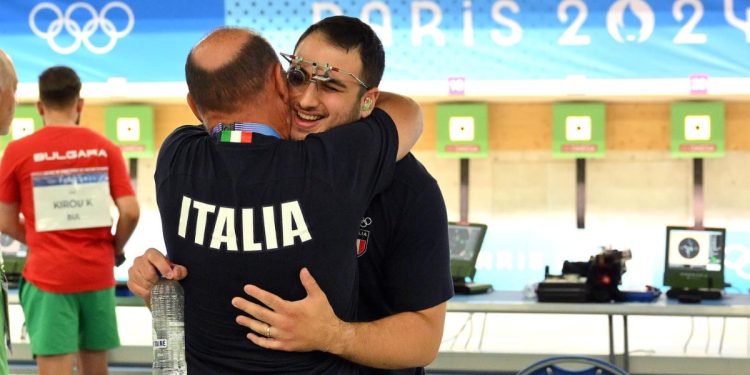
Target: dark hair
pixel 351 33
pixel 241 79
pixel 59 87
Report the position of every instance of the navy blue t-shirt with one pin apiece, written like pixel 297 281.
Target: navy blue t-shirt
pixel 257 213
pixel 404 260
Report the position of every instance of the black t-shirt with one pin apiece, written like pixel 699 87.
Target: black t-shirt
pixel 257 213
pixel 404 260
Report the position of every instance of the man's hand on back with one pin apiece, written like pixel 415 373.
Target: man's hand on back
pixel 305 325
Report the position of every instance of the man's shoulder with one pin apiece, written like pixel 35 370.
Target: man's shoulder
pixel 411 174
pixel 33 138
pixel 184 133
pixel 376 116
pixel 93 136
pixel 188 131
pixel 66 136
pixel 28 145
pixel 84 139
pixel 412 183
pixel 378 119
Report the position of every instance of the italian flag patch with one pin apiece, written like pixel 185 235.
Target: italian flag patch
pixel 236 136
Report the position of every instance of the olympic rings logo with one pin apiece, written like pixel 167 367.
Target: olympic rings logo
pixel 81 35
pixel 364 222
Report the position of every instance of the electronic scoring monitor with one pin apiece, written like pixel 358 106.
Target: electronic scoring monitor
pixel 694 258
pixel 465 241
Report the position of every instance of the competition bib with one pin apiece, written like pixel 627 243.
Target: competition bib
pixel 71 199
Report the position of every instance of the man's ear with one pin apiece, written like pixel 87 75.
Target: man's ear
pixel 279 78
pixel 40 108
pixel 194 108
pixel 368 101
pixel 79 106
pixel 282 90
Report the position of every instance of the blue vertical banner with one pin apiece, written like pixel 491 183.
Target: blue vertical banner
pixel 438 40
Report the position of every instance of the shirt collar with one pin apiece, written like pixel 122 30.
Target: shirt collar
pixel 246 127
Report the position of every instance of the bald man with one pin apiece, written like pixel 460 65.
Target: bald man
pixel 8 84
pixel 239 205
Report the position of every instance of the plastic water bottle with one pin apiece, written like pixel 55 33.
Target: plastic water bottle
pixel 167 312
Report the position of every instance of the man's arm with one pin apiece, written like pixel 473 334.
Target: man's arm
pixel 407 115
pixel 409 339
pixel 11 222
pixel 129 214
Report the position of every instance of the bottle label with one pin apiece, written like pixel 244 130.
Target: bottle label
pixel 160 344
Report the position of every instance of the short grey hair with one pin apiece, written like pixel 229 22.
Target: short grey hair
pixel 7 72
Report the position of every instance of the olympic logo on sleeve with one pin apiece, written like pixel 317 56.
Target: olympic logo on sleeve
pixel 365 222
pixel 83 34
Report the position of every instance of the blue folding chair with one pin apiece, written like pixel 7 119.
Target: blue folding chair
pixel 582 365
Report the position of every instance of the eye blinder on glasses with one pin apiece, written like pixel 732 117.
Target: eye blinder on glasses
pixel 321 73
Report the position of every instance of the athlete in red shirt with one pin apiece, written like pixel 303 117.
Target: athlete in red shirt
pixel 62 179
